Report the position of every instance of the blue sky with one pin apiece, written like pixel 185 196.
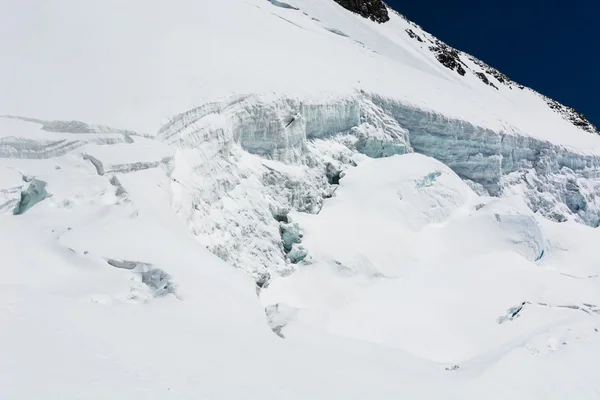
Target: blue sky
pixel 552 46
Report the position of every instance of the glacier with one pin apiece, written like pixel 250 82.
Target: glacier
pixel 334 209
pixel 281 199
pixel 279 129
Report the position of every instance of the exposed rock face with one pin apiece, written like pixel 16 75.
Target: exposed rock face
pixel 570 114
pixel 454 60
pixel 484 79
pixel 373 9
pixel 413 35
pixel 448 57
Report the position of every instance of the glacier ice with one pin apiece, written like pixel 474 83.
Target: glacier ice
pixel 96 163
pixel 35 192
pixel 75 127
pixel 428 180
pixel 397 270
pixel 297 254
pixel 279 129
pixel 290 235
pixel 157 281
pixel 512 313
pixel 479 154
pixel 283 129
pixel 283 5
pixel 13 147
pixel 246 163
pixel 120 191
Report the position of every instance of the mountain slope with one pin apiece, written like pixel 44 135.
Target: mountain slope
pixel 285 199
pixel 144 70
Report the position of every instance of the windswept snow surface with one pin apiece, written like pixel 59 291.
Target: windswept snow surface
pixel 256 199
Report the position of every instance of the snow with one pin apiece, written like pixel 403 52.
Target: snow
pixel 262 199
pixel 149 66
pixel 79 326
pixel 107 294
pixel 420 268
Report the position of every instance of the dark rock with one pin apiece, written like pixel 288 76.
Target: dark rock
pixel 573 116
pixel 483 77
pixel 500 77
pixel 485 80
pixel 413 35
pixel 373 9
pixel 448 57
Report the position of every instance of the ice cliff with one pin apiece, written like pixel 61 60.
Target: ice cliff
pixel 262 156
pixel 280 129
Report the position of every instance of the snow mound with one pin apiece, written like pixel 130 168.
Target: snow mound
pixel 408 256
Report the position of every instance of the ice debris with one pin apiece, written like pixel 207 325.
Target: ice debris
pixel 278 316
pixel 512 313
pixel 290 235
pixel 156 280
pixel 428 180
pixel 515 312
pixel 96 163
pixel 297 254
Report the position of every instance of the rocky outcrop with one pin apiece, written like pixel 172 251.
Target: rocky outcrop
pixel 448 57
pixel 413 35
pixel 484 79
pixel 454 60
pixel 570 114
pixel 373 9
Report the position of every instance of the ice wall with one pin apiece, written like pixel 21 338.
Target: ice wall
pixel 477 153
pixel 16 147
pixel 326 119
pixel 280 129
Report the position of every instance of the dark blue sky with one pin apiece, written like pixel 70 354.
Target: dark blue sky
pixel 552 46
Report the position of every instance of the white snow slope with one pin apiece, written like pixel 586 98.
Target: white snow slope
pixel 251 199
